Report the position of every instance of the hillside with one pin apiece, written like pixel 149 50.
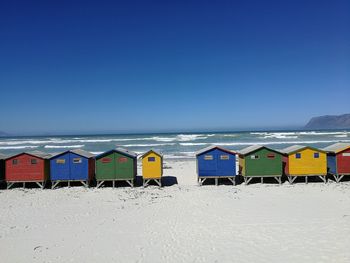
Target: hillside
pixel 329 122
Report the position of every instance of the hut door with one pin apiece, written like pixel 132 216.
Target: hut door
pixel 79 167
pixel 225 164
pixel 60 168
pixel 105 168
pixel 124 167
pixel 208 164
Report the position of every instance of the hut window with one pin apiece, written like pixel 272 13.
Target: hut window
pixel 151 159
pixel 76 160
pixel 33 161
pixel 254 157
pixel 298 155
pixel 346 154
pixel 60 161
pixel 316 155
pixel 271 156
pixel 14 161
pixel 224 157
pixel 106 160
pixel 122 160
pixel 208 157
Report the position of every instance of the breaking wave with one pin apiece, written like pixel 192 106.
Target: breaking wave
pixel 63 146
pixel 18 147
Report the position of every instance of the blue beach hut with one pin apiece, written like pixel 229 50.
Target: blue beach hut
pixel 73 165
pixel 216 163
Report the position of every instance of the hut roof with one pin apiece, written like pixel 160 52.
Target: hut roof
pixel 118 150
pixel 212 147
pixel 80 152
pixel 146 153
pixel 126 152
pixel 254 148
pixel 39 154
pixel 337 147
pixel 297 148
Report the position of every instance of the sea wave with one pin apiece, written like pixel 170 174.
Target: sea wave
pixel 190 137
pixel 97 153
pixel 278 136
pixel 148 145
pixel 18 147
pixel 63 146
pixel 193 143
pixel 262 143
pixel 324 133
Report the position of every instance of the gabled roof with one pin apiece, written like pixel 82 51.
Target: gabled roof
pixel 126 152
pixel 212 147
pixel 38 154
pixel 151 151
pixel 337 147
pixel 80 152
pixel 118 150
pixel 296 148
pixel 254 148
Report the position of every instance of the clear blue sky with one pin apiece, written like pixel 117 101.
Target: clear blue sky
pixel 81 66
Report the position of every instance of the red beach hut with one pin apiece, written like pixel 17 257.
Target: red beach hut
pixel 27 167
pixel 338 160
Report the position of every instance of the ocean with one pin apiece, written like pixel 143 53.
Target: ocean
pixel 172 145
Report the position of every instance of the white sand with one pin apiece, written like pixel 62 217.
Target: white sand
pixel 180 223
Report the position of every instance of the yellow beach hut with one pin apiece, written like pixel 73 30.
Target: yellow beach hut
pixel 304 161
pixel 152 167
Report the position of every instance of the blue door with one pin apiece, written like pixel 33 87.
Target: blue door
pixel 207 164
pixel 60 167
pixel 226 164
pixel 78 167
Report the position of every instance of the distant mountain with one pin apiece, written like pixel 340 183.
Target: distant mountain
pixel 329 122
pixel 2 134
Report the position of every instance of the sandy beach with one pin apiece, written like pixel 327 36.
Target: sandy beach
pixel 181 222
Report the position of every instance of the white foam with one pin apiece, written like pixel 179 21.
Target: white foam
pixel 97 153
pixel 193 143
pixel 323 133
pixel 18 147
pixel 190 137
pixel 148 145
pixel 279 136
pixel 63 146
pixel 262 143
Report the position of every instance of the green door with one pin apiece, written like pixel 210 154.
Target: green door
pixel 105 168
pixel 124 167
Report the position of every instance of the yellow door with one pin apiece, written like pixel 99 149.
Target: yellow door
pixel 151 166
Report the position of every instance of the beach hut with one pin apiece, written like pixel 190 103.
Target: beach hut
pixel 215 162
pixel 152 167
pixel 258 161
pixel 73 165
pixel 27 167
pixel 2 167
pixel 304 161
pixel 338 160
pixel 116 165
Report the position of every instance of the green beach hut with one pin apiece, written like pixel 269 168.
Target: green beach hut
pixel 116 165
pixel 258 161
